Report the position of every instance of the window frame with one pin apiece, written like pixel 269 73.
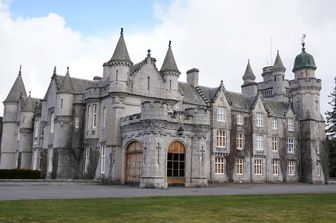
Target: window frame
pixel 290 124
pixel 221 139
pixel 240 120
pixel 290 145
pixel 274 144
pixel 258 167
pixel 260 119
pixel 275 167
pixel 259 143
pixel 102 159
pixel 240 141
pixel 219 165
pixel 291 168
pixel 240 167
pixel 221 114
pixel 274 124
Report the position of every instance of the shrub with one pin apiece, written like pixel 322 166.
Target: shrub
pixel 20 174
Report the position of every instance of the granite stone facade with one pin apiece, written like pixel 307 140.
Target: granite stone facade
pixel 138 124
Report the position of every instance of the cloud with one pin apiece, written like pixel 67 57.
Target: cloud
pixel 216 36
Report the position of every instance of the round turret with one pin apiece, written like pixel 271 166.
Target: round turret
pixel 304 61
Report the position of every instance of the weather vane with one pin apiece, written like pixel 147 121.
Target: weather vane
pixel 303 40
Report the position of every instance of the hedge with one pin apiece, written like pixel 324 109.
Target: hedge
pixel 20 174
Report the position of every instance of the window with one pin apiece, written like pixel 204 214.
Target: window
pixel 275 123
pixel 290 145
pixel 87 159
pixel 36 128
pixel 259 143
pixel 94 116
pixel 35 160
pixel 102 159
pixel 240 166
pixel 239 141
pixel 291 168
pixel 148 82
pixel 260 120
pixel 5 111
pixel 318 168
pixel 18 134
pixel 61 102
pixel 275 167
pixel 40 162
pixel 77 122
pixel 116 75
pixel 52 123
pixel 274 144
pixel 290 123
pixel 88 124
pixel 104 117
pixel 50 158
pixel 175 165
pixel 258 167
pixel 240 119
pixel 221 138
pixel 221 114
pixel 219 165
pixel 170 84
pixel 23 119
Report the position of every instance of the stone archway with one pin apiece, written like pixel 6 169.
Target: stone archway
pixel 134 160
pixel 176 163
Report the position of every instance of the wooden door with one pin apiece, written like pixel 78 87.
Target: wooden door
pixel 176 164
pixel 134 160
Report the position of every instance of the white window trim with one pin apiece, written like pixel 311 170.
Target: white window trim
pixel 275 167
pixel 240 120
pixel 260 119
pixel 240 140
pixel 290 149
pixel 291 168
pixel 221 114
pixel 76 122
pixel 52 123
pixel 290 124
pixel 94 116
pixel 102 159
pixel 223 137
pixel 274 144
pixel 274 124
pixel 219 165
pixel 240 167
pixel 258 167
pixel 259 143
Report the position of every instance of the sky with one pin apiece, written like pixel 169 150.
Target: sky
pixel 215 36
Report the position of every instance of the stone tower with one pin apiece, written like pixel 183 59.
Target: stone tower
pixel 26 133
pixel 305 91
pixel 170 74
pixel 278 75
pixel 118 67
pixel 11 104
pixel 62 142
pixel 250 87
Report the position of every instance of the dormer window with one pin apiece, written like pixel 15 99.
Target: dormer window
pixel 239 119
pixel 260 122
pixel 290 123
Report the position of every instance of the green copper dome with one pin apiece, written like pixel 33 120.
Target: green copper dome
pixel 304 60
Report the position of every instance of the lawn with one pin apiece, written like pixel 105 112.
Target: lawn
pixel 241 208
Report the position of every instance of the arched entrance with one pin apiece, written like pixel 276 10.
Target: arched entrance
pixel 176 164
pixel 134 157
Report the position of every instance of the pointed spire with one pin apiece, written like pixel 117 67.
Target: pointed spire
pixel 54 73
pixel 169 64
pixel 29 104
pixel 18 89
pixel 66 86
pixel 278 65
pixel 120 53
pixel 248 75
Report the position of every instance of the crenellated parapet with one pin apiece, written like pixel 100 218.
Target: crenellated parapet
pixel 310 83
pixel 154 110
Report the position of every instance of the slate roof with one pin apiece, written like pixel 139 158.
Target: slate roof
pixel 121 53
pixel 249 75
pixel 169 64
pixel 79 85
pixel 18 89
pixel 30 104
pixel 190 94
pixel 278 65
pixel 239 101
pixel 66 86
pixel 276 108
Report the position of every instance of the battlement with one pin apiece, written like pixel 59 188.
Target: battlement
pixel 310 83
pixel 154 110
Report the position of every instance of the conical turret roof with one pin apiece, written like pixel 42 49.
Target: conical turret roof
pixel 66 86
pixel 248 75
pixel 169 64
pixel 29 105
pixel 278 63
pixel 17 90
pixel 120 53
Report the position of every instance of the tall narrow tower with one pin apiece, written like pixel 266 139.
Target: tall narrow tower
pixel 8 144
pixel 305 90
pixel 118 67
pixel 250 87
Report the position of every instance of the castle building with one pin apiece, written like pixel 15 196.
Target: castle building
pixel 138 124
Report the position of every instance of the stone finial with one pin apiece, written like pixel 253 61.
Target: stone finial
pixel 29 93
pixel 54 72
pixel 121 31
pixel 169 45
pixel 20 69
pixel 148 53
